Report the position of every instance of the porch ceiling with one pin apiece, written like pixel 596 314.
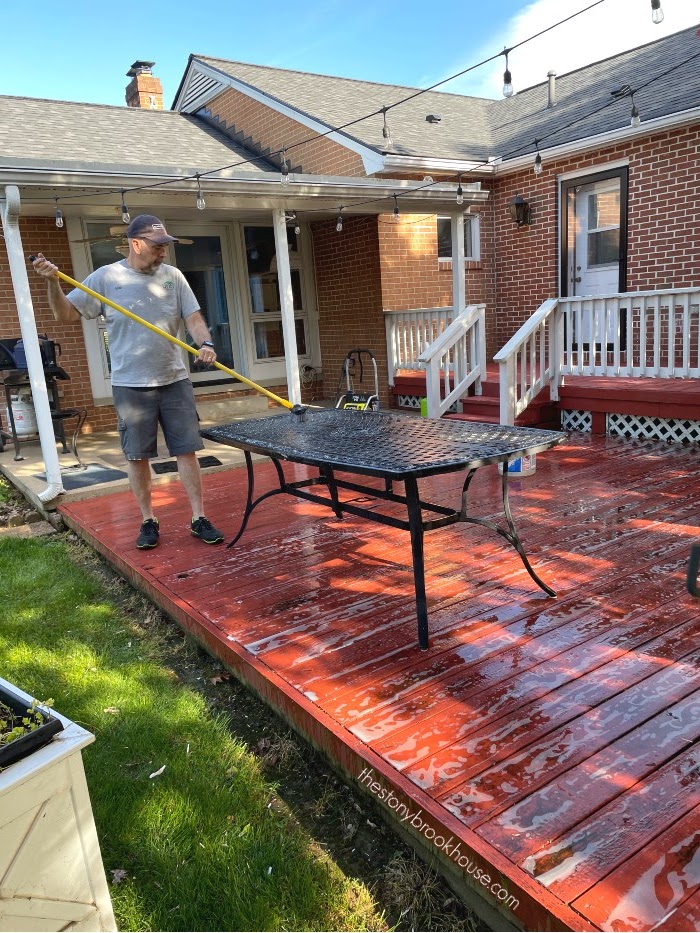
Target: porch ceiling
pixel 236 198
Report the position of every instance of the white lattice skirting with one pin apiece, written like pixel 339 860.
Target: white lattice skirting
pixel 640 426
pixel 658 429
pixel 413 401
pixel 408 401
pixel 576 421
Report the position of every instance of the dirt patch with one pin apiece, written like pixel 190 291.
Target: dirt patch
pixel 344 823
pixel 15 511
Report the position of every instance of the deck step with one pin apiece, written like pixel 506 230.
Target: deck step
pixel 670 399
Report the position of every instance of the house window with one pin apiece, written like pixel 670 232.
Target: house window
pixel 471 238
pixel 265 300
pixel 603 221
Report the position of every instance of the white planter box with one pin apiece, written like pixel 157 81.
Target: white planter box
pixel 51 872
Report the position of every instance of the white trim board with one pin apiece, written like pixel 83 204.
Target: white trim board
pixel 372 161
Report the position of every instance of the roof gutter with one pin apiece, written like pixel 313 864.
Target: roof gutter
pixel 673 121
pixel 394 163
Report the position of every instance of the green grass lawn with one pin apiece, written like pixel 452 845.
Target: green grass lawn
pixel 202 846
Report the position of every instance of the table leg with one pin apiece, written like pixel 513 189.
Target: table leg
pixel 249 500
pixel 415 524
pixel 327 474
pixel 515 539
pixel 510 534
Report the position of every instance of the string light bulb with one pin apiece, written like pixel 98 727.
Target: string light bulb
pixel 126 216
pixel 507 78
pixel 386 132
pixel 339 222
pixel 635 119
pixel 460 193
pixel 292 219
pixel 396 210
pixel 285 168
pixel 201 203
pixel 657 14
pixel 537 167
pixel 58 215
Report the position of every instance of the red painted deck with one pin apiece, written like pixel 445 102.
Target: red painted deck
pixel 547 748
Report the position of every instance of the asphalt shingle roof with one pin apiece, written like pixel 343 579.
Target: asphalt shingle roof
pixel 476 128
pixel 517 122
pixel 65 135
pixel 464 132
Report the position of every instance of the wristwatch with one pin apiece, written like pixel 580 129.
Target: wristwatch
pixel 206 343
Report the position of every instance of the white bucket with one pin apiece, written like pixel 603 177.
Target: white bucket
pixel 523 466
pixel 23 413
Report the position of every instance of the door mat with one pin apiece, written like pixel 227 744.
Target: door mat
pixel 170 466
pixel 90 476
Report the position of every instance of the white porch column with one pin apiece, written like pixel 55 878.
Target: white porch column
pixel 10 208
pixel 284 277
pixel 459 291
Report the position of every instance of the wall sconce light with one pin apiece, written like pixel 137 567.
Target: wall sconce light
pixel 520 211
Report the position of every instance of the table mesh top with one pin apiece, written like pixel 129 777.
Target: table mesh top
pixel 384 443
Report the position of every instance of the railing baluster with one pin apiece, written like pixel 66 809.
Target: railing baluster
pixel 642 337
pixel 671 340
pixel 684 304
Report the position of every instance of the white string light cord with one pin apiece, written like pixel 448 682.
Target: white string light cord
pixel 625 91
pixel 283 151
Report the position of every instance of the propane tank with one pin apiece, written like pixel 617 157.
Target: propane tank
pixel 23 413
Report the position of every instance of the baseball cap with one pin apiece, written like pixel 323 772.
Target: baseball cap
pixel 148 227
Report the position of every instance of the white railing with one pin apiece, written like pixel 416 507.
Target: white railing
pixel 526 362
pixel 634 334
pixel 409 333
pixel 455 361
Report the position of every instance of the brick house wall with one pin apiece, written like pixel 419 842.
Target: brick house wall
pixel 663 223
pixel 375 265
pixel 349 296
pixel 412 277
pixel 275 131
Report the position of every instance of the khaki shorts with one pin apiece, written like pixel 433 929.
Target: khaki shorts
pixel 140 411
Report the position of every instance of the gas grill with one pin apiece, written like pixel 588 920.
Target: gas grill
pixel 395 448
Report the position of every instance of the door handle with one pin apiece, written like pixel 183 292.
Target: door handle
pixel 577 279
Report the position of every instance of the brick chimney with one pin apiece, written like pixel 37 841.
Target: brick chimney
pixel 144 90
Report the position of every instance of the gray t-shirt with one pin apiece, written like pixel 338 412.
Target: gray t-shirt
pixel 139 357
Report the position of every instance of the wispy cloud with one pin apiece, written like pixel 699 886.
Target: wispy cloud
pixel 610 28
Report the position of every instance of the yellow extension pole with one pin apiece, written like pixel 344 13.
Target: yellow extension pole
pixel 181 343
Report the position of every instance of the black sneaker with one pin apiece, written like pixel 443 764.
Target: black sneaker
pixel 203 529
pixel 148 536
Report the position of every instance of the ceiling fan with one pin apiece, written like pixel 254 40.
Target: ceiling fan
pixel 118 239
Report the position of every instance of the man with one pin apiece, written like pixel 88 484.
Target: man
pixel 150 382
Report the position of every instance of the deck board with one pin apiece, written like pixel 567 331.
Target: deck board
pixel 557 740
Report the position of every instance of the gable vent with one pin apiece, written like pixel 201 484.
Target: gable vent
pixel 199 86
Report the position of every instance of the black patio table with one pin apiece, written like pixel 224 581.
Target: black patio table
pixel 394 447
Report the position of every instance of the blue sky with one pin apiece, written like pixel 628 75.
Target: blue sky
pixel 82 51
